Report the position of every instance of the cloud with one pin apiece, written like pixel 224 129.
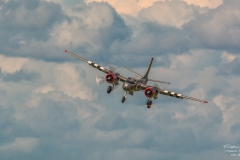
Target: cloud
pixel 20 76
pixel 230 68
pixel 52 109
pixel 61 114
pixel 212 31
pixel 167 13
pixel 132 7
pixel 23 20
pixel 204 3
pixel 25 145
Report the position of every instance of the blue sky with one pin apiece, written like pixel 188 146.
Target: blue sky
pixel 51 107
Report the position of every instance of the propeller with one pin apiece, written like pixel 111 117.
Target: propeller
pixel 100 80
pixel 156 85
pixel 112 68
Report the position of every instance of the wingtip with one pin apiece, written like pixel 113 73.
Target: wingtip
pixel 168 83
pixel 65 50
pixel 205 101
pixel 152 58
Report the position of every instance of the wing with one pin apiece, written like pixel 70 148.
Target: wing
pixel 177 95
pixel 95 65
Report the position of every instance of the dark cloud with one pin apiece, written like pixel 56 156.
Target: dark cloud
pixel 23 21
pixel 19 76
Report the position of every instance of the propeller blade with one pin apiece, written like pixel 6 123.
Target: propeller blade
pixel 156 85
pixel 116 87
pixel 100 80
pixel 112 68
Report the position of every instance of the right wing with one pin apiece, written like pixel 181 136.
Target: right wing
pixel 95 65
pixel 177 95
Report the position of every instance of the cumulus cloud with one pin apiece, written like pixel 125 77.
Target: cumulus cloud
pixel 204 3
pixel 217 28
pixel 167 13
pixel 24 145
pixel 57 116
pixel 132 7
pixel 53 110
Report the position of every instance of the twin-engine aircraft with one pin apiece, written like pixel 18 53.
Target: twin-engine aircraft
pixel 130 84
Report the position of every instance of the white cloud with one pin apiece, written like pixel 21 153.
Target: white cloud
pixel 167 13
pixel 205 3
pixel 12 64
pixel 70 116
pixel 132 7
pixel 25 145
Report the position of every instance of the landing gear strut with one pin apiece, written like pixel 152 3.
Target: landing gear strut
pixel 124 97
pixel 149 103
pixel 109 90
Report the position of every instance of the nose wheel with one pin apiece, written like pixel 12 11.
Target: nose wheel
pixel 149 104
pixel 109 90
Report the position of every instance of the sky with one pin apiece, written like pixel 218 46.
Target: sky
pixel 52 108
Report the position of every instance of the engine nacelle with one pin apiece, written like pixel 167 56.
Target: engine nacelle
pixel 150 92
pixel 111 78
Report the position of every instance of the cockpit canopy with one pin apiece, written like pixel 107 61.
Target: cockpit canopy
pixel 131 80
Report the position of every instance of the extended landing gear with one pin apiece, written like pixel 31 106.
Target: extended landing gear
pixel 124 97
pixel 109 90
pixel 149 103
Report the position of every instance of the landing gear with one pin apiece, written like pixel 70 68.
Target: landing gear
pixel 109 90
pixel 124 97
pixel 149 104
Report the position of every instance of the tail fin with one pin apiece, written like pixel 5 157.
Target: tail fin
pixel 149 67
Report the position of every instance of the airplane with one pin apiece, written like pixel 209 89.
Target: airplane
pixel 130 84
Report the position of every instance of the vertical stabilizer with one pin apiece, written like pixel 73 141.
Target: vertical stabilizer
pixel 148 69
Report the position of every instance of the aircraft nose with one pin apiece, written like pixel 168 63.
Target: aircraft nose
pixel 125 85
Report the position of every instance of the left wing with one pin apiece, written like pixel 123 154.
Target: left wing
pixel 95 65
pixel 177 95
pixel 170 93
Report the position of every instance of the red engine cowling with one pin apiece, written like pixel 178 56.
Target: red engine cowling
pixel 150 92
pixel 111 78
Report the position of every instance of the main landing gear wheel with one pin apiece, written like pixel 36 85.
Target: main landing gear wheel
pixel 109 90
pixel 149 104
pixel 123 99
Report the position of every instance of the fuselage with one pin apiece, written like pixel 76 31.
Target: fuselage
pixel 133 84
